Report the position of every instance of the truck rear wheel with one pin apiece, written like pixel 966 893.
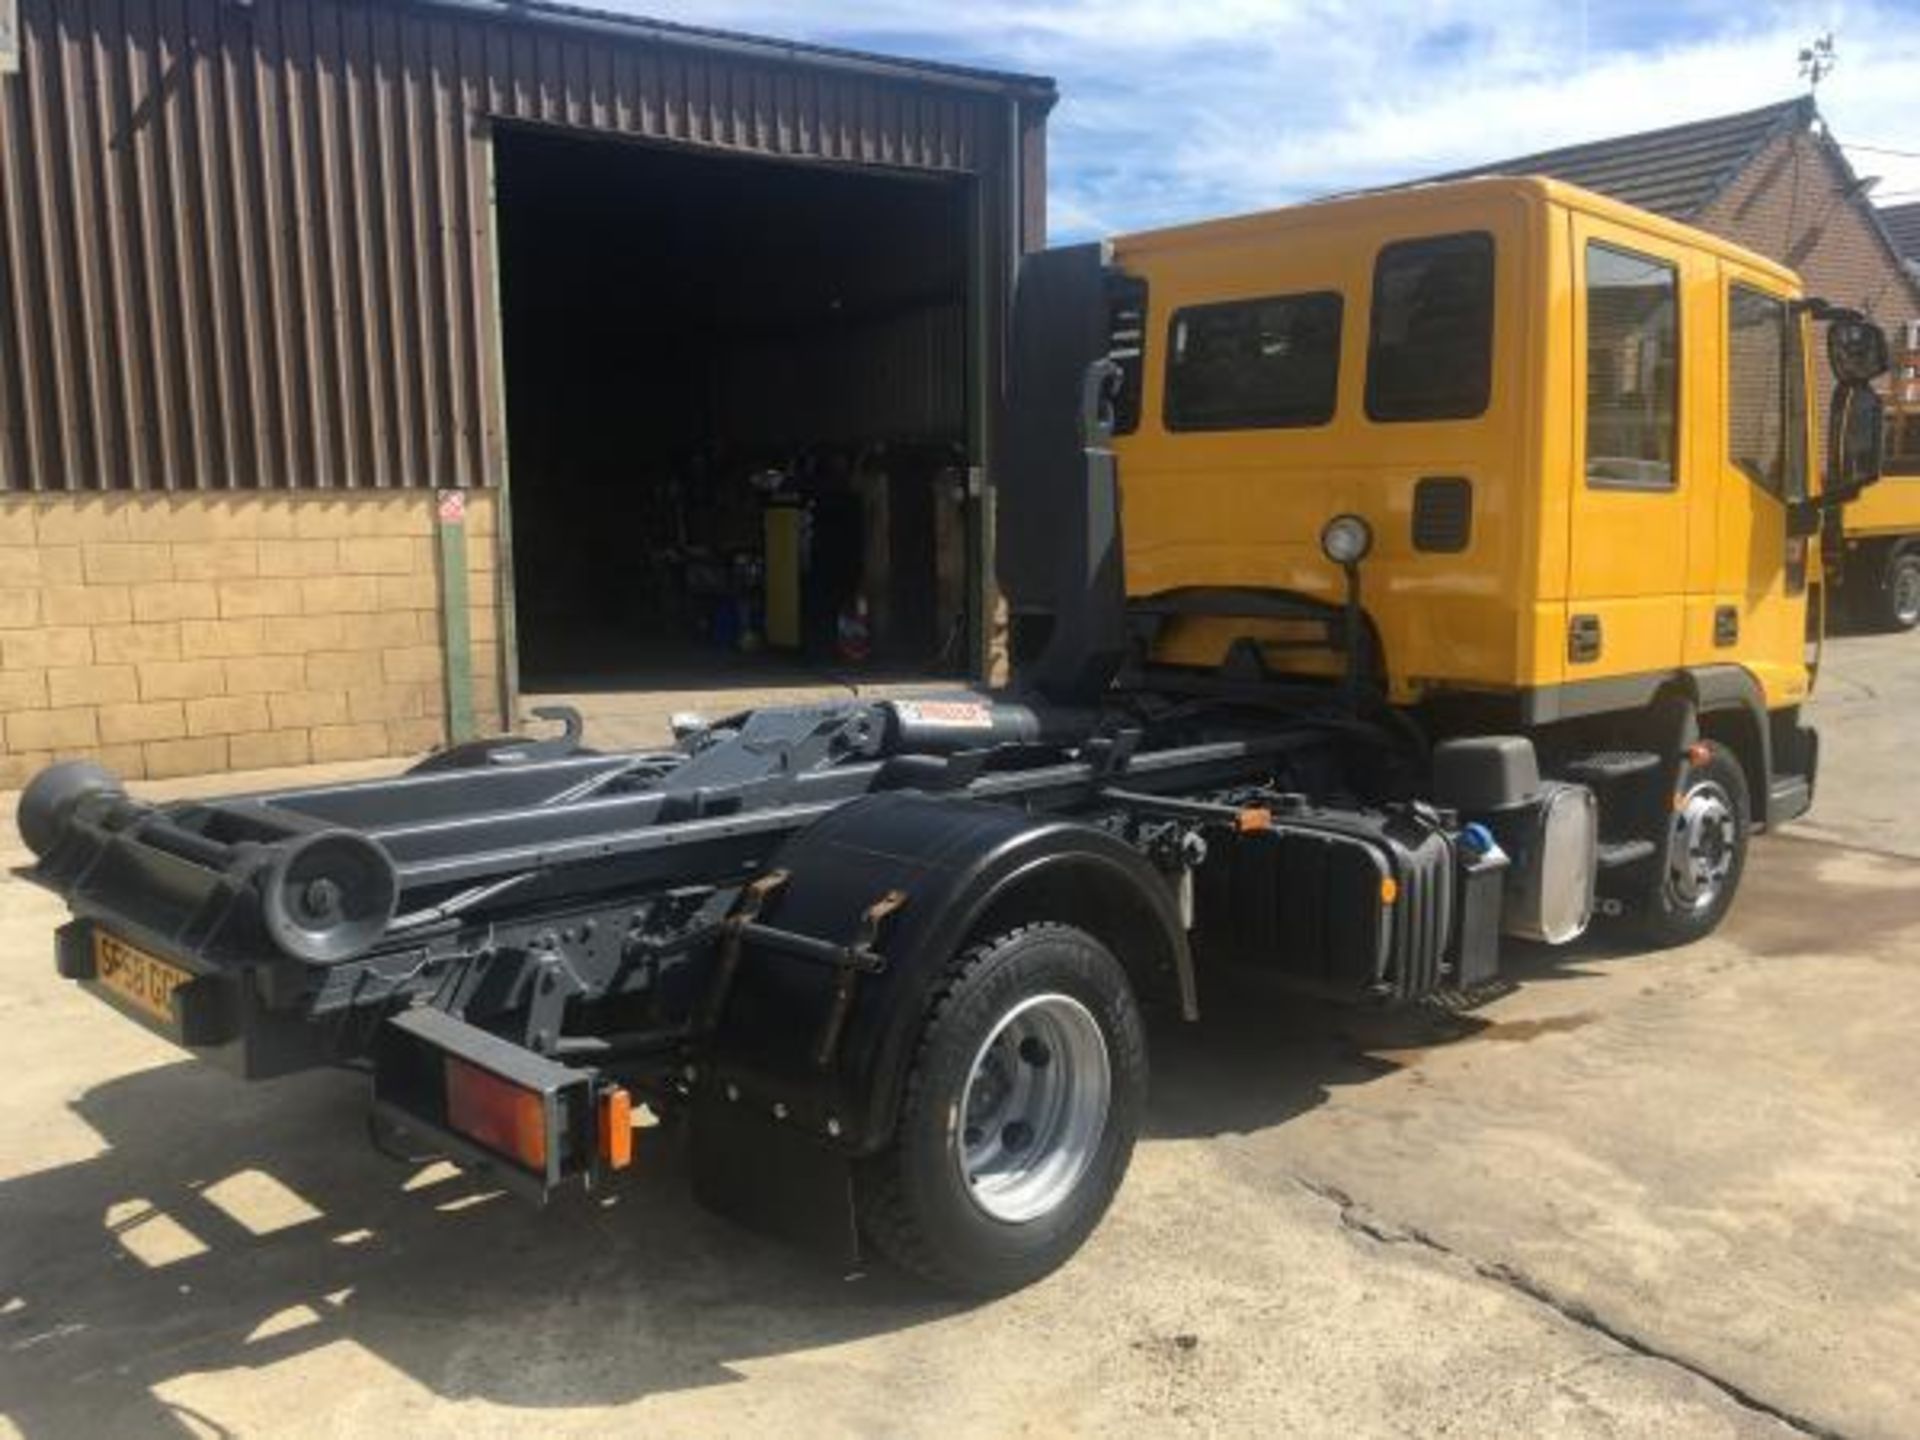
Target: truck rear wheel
pixel 1704 854
pixel 1020 1115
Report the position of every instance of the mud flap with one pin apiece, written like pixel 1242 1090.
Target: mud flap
pixel 772 1177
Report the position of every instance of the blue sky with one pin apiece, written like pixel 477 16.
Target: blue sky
pixel 1176 109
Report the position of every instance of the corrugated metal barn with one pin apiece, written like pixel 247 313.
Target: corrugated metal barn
pixel 278 271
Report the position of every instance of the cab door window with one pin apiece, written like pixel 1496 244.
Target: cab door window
pixel 1766 426
pixel 1633 369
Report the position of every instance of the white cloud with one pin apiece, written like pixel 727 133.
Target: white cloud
pixel 1175 110
pixel 1432 128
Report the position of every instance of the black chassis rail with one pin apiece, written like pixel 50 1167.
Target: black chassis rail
pixel 473 839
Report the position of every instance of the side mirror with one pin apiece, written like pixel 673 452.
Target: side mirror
pixel 1856 456
pixel 1856 441
pixel 1856 350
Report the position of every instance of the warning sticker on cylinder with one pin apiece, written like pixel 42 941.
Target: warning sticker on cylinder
pixel 955 714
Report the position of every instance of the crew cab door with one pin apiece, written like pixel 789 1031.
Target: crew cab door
pixel 1759 600
pixel 1633 480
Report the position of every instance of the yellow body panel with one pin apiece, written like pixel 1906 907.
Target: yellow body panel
pixel 1244 508
pixel 1890 508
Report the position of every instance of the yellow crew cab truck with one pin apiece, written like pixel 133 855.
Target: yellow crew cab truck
pixel 1388 577
pixel 1873 569
pixel 1570 440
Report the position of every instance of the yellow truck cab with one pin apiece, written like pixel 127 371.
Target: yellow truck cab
pixel 1568 443
pixel 1569 423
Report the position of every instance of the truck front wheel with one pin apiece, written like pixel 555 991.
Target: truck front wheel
pixel 1020 1114
pixel 1704 852
pixel 1899 595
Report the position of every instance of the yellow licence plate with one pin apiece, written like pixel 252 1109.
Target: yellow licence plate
pixel 145 980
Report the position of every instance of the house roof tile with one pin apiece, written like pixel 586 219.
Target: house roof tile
pixel 1675 172
pixel 1903 224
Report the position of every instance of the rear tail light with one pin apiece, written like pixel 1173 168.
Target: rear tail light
pixel 539 1123
pixel 505 1118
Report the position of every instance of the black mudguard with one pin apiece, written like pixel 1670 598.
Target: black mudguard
pixel 965 869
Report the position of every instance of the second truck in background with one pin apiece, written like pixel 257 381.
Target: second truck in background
pixel 1873 560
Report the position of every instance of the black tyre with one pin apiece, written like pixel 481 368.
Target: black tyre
pixel 1897 601
pixel 1698 871
pixel 1020 1114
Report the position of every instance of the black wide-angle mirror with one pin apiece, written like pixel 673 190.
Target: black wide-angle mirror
pixel 1857 351
pixel 1856 427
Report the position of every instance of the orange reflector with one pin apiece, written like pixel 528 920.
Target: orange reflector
pixel 1698 754
pixel 496 1113
pixel 1253 819
pixel 1389 889
pixel 616 1129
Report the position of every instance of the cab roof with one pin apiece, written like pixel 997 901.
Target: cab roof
pixel 1371 207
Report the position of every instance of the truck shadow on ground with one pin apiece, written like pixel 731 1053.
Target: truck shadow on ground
pixel 224 1227
pixel 1262 1053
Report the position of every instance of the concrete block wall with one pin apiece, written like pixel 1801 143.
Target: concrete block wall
pixel 192 633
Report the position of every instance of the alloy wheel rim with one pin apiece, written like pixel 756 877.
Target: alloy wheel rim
pixel 1906 593
pixel 1034 1108
pixel 1702 846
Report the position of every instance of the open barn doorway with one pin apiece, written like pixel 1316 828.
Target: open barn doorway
pixel 738 413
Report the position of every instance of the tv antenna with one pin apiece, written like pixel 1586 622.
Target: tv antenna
pixel 1817 60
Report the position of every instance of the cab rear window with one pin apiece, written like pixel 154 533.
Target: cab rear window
pixel 1263 364
pixel 1430 338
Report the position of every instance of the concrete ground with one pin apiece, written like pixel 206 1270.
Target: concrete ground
pixel 1658 1194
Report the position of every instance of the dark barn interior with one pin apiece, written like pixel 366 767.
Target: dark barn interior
pixel 737 410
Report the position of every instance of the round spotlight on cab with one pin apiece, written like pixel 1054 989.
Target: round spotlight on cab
pixel 1346 540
